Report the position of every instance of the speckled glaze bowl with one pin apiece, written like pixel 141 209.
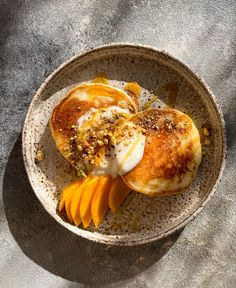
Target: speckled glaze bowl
pixel 141 219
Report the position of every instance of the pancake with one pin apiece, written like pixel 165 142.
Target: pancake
pixel 76 103
pixel 172 153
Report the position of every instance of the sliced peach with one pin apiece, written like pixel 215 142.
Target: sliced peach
pixel 75 202
pixel 68 201
pixel 86 200
pixel 66 191
pixel 99 205
pixel 118 193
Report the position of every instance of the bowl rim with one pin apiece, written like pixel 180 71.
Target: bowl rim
pixel 111 239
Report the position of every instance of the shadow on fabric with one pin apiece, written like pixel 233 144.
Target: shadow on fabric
pixel 58 250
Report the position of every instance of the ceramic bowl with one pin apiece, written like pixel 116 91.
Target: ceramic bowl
pixel 141 219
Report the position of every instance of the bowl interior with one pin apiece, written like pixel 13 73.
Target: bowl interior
pixel 140 219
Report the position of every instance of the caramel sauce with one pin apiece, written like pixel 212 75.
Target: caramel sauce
pixel 133 88
pixel 94 91
pixel 101 78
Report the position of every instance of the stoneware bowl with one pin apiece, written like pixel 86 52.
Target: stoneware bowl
pixel 140 219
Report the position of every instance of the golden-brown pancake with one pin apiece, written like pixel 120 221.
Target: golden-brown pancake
pixel 172 153
pixel 77 102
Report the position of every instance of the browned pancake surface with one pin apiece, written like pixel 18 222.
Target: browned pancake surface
pixel 172 152
pixel 77 102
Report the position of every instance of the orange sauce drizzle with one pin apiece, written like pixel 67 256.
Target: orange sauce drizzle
pixel 134 88
pixel 101 78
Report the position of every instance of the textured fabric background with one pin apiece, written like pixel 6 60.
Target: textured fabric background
pixel 37 36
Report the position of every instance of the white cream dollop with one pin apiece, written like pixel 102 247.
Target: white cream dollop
pixel 128 156
pixel 126 152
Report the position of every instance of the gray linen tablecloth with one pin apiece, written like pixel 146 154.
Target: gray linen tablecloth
pixel 37 36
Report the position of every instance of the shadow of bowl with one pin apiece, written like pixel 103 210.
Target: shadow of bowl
pixel 60 251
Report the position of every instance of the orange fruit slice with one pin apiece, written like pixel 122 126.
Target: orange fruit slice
pixel 118 193
pixel 75 202
pixel 99 205
pixel 86 200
